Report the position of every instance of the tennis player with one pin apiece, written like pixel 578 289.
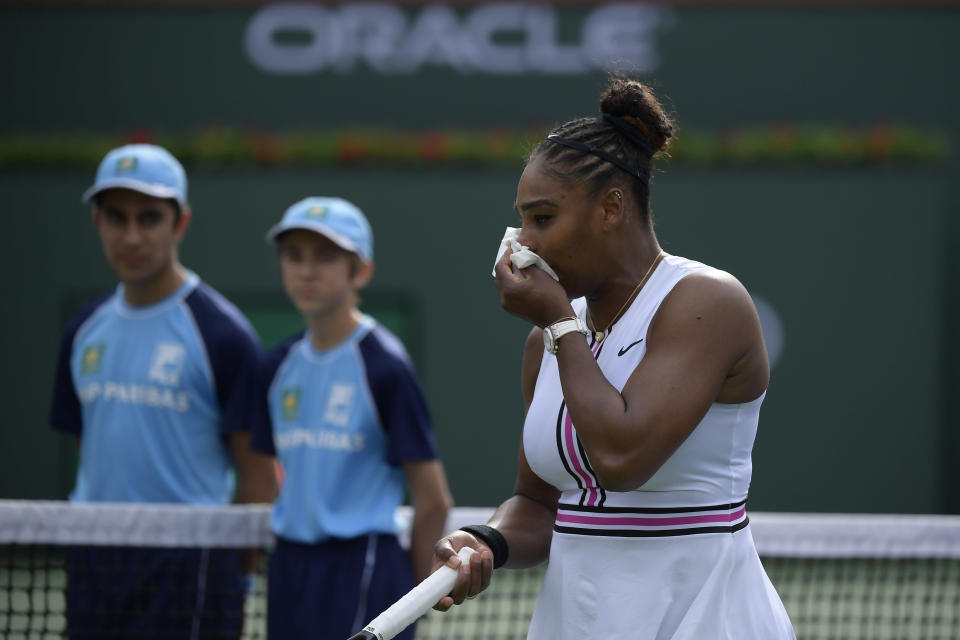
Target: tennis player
pixel 157 381
pixel 643 396
pixel 350 427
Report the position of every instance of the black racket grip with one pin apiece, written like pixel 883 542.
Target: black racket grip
pixel 363 635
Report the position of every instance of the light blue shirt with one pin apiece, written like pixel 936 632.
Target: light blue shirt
pixel 342 422
pixel 153 392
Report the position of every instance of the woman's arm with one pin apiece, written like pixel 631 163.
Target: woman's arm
pixel 525 520
pixel 704 345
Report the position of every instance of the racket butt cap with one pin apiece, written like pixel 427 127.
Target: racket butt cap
pixel 364 635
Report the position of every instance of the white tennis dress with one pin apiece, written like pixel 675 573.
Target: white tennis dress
pixel 672 560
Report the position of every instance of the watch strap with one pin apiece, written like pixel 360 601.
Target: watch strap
pixel 561 328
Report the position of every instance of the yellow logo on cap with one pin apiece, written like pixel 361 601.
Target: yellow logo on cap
pixel 317 211
pixel 126 164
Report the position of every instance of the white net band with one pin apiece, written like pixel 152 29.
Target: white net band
pixel 787 535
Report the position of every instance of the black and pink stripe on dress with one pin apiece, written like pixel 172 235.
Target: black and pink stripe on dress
pixel 650 521
pixel 573 455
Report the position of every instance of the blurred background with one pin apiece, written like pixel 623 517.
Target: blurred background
pixel 815 161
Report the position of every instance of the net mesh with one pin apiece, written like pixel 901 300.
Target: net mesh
pixel 850 577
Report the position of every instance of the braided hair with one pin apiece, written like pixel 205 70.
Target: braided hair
pixel 621 143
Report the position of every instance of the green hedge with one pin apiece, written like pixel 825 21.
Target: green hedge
pixel 777 145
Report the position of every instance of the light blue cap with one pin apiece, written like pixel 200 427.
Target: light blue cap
pixel 337 219
pixel 145 168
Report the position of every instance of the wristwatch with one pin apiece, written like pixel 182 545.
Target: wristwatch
pixel 555 331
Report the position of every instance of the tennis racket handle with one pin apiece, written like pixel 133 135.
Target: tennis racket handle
pixel 414 604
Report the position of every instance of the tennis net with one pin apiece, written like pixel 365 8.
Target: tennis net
pixel 849 577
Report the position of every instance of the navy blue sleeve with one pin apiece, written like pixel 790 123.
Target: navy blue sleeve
pixel 235 356
pixel 65 414
pixel 261 434
pixel 396 392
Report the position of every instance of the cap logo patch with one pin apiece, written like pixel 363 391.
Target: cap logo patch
pixel 126 164
pixel 317 211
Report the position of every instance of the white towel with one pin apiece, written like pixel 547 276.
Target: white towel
pixel 521 257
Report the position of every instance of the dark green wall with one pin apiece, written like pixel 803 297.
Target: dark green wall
pixel 857 262
pixel 180 68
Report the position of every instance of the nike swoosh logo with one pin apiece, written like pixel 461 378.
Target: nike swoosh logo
pixel 623 350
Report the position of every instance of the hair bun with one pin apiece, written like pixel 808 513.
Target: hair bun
pixel 635 103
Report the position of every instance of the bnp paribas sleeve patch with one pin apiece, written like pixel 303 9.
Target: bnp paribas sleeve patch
pixel 92 358
pixel 290 403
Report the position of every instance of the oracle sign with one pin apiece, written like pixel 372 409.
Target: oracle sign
pixel 497 38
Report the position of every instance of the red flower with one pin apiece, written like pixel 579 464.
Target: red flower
pixel 351 148
pixel 432 147
pixel 141 136
pixel 880 141
pixel 266 149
